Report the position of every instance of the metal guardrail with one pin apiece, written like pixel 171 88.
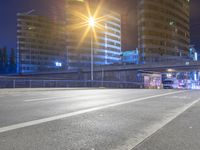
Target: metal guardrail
pixel 171 64
pixel 24 83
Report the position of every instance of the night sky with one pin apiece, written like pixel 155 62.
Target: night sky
pixel 9 9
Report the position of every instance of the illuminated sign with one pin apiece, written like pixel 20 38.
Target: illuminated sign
pixel 58 64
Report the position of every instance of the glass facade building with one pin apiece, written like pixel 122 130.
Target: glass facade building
pixel 163 29
pixel 106 42
pixel 41 44
pixel 47 45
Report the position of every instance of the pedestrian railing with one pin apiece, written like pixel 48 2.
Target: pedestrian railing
pixel 26 83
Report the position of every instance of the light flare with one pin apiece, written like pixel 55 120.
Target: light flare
pixel 88 22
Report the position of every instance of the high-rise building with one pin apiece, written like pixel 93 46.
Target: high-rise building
pixel 107 34
pixel 125 14
pixel 48 45
pixel 195 24
pixel 163 29
pixel 41 44
pixel 129 24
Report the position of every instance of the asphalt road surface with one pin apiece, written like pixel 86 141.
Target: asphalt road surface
pixel 99 119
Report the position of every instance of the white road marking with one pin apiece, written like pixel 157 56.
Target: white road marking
pixel 50 98
pixel 181 97
pixel 43 99
pixel 149 131
pixel 58 117
pixel 53 98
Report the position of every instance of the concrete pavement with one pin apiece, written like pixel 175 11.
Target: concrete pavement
pixel 183 133
pixel 96 119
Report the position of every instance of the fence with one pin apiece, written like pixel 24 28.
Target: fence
pixel 26 83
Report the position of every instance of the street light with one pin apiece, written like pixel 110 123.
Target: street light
pixel 91 23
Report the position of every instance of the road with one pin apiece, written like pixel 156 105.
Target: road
pixel 99 119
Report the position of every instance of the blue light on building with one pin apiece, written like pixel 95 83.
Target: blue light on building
pixel 7 61
pixel 193 53
pixel 58 64
pixel 131 56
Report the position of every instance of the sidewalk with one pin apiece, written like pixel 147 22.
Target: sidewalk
pixel 183 133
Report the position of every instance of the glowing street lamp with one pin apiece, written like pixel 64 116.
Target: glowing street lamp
pixel 91 22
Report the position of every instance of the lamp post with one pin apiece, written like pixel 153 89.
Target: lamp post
pixel 91 22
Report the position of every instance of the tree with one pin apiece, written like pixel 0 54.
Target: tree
pixel 4 57
pixel 1 59
pixel 13 60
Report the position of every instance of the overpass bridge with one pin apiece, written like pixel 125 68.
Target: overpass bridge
pixel 119 70
pixel 157 67
pixel 106 76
